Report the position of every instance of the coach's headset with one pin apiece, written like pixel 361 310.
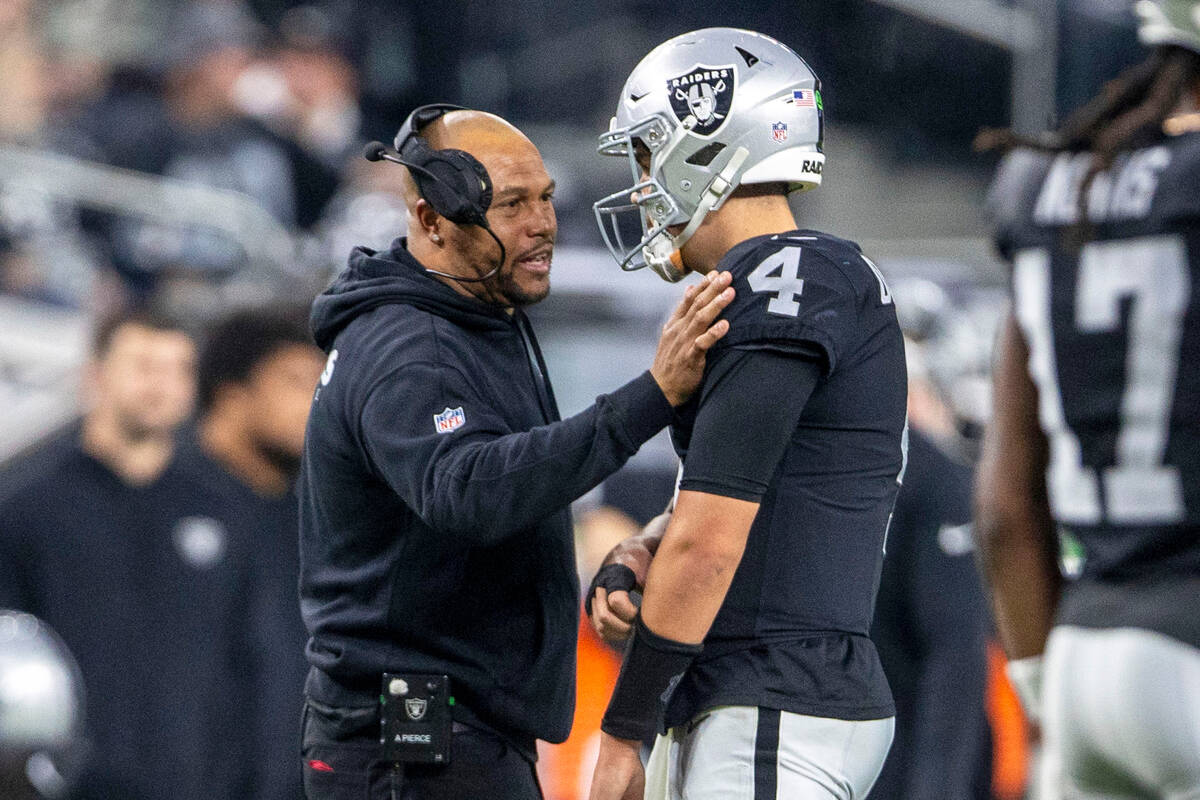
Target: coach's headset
pixel 453 182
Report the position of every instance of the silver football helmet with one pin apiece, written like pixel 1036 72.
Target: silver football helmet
pixel 1164 22
pixel 41 709
pixel 704 113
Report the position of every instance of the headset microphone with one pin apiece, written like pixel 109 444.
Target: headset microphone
pixel 453 182
pixel 377 151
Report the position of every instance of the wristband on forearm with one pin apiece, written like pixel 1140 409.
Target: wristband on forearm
pixel 652 668
pixel 611 578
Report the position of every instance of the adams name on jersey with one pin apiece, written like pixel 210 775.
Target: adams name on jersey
pixel 792 632
pixel 1114 341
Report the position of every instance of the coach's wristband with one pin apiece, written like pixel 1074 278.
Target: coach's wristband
pixel 612 578
pixel 1025 675
pixel 652 668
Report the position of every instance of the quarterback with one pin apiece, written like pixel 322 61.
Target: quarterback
pixel 751 648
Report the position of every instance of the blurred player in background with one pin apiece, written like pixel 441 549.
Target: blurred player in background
pixel 931 622
pixel 757 604
pixel 257 371
pixel 1097 428
pixel 108 536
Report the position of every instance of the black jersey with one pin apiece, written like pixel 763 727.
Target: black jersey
pixel 792 632
pixel 1113 328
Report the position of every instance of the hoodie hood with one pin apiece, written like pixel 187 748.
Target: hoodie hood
pixel 372 279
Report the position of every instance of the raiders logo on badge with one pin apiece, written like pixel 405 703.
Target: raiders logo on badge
pixel 200 541
pixel 704 93
pixel 415 707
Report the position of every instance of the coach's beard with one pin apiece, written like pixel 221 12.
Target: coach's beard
pixel 506 287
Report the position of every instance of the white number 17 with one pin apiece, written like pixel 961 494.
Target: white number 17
pixel 1152 271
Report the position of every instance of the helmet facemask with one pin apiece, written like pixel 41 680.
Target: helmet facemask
pixel 653 206
pixel 656 206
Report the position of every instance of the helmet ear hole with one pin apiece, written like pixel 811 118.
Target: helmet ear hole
pixel 704 156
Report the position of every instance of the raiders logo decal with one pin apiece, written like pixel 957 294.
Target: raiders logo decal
pixel 415 707
pixel 704 93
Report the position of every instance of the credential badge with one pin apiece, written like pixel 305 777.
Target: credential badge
pixel 705 93
pixel 451 419
pixel 415 707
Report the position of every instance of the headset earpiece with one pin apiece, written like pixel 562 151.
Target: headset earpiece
pixel 453 182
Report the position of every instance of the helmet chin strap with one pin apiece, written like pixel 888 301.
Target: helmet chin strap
pixel 662 257
pixel 662 253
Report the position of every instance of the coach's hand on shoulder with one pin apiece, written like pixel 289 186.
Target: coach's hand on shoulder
pixel 619 773
pixel 688 334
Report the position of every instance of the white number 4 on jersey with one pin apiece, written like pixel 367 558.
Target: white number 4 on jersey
pixel 780 273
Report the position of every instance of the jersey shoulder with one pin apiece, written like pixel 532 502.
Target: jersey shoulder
pixel 798 291
pixel 1013 193
pixel 769 264
pixel 1145 190
pixel 1177 197
pixel 823 251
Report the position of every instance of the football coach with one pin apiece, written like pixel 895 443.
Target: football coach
pixel 438 577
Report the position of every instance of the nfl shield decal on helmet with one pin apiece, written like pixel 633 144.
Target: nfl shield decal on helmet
pixel 415 707
pixel 451 419
pixel 704 93
pixel 779 132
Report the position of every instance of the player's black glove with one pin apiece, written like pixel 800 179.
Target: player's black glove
pixel 613 578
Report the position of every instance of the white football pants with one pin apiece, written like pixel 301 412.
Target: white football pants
pixel 746 753
pixel 1121 716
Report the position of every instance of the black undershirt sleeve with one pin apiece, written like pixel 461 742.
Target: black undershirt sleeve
pixel 751 405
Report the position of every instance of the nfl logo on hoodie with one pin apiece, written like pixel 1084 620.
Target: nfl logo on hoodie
pixel 451 419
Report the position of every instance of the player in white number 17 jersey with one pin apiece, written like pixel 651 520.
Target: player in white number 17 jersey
pixel 1096 437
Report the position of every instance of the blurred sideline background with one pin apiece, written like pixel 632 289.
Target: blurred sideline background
pixel 204 154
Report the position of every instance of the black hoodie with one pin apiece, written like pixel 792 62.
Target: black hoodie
pixel 434 524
